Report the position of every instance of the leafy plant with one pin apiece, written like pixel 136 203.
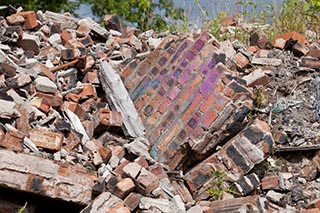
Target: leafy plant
pixel 218 186
pixel 143 14
pixel 23 208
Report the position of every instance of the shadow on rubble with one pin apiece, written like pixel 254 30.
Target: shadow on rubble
pixel 12 201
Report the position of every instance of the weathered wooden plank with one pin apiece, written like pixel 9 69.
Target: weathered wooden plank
pixel 119 100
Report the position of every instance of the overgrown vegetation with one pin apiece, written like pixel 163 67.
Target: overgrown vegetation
pixel 162 15
pixel 218 186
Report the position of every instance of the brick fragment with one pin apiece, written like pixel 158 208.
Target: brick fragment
pixel 300 50
pixel 110 118
pixel 239 204
pixel 68 54
pixel 41 104
pixel 13 139
pixel 119 207
pixel 257 77
pixel 270 182
pixel 240 60
pixel 46 139
pixel 314 204
pixel 45 177
pixel 132 201
pixel 291 35
pixel 74 107
pixel 30 19
pixel 29 42
pixel 120 169
pixel 132 170
pixel 8 69
pixel 147 181
pixel 310 62
pixel 124 187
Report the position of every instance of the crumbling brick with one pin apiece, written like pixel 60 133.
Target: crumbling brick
pixel 124 187
pixel 46 139
pixel 30 19
pixel 45 177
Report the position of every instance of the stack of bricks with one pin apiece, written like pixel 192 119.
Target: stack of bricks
pixel 183 93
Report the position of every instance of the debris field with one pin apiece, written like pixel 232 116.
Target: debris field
pixel 111 119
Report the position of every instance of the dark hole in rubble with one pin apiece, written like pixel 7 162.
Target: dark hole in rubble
pixel 39 203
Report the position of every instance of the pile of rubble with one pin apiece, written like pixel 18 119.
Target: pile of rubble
pixel 118 121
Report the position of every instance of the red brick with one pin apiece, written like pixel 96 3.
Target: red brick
pixel 72 141
pixel 147 181
pixel 68 54
pixel 152 120
pixel 105 153
pixel 23 121
pixel 300 50
pixel 72 97
pixel 88 126
pixel 30 19
pixel 220 103
pixel 191 108
pixel 87 91
pixel 132 201
pixel 124 187
pixel 83 30
pixel 110 118
pixel 119 169
pixel 163 107
pixel 46 139
pixel 314 204
pixel 41 104
pixel 235 90
pixel 141 101
pixel 279 43
pixel 209 118
pixel 53 100
pixel 141 161
pixel 310 62
pixel 174 130
pixel 240 60
pixel 92 77
pixel 314 51
pixel 270 182
pixel 46 178
pixel 117 151
pixel 66 36
pixel 189 89
pixel 128 70
pixel 44 71
pixel 294 35
pixel 119 207
pixel 74 107
pixel 158 170
pixel 13 139
pixel 198 132
pixel 206 104
pixel 252 49
pixel 314 210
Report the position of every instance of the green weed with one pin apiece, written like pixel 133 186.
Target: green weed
pixel 218 186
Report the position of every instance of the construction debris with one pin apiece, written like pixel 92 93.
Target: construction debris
pixel 117 121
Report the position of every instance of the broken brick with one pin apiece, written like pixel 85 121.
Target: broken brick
pixel 147 181
pixel 132 201
pixel 46 139
pixel 124 187
pixel 45 177
pixel 30 19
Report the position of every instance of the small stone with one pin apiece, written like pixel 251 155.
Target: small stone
pixel 44 84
